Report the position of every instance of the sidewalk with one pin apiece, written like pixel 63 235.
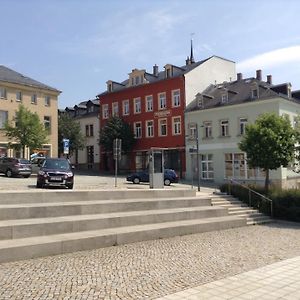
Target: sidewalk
pixel 280 280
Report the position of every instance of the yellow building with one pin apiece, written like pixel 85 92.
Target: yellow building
pixel 16 89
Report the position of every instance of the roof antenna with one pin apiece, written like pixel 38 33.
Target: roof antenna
pixel 192 55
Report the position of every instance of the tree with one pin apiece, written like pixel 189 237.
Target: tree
pixel 269 143
pixel 26 130
pixel 68 128
pixel 117 128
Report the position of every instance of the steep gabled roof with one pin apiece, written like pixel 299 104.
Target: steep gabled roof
pixel 11 76
pixel 238 91
pixel 161 75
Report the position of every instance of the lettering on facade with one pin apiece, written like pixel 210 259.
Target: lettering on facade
pixel 162 114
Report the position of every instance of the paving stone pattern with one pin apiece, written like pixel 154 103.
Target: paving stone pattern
pixel 152 269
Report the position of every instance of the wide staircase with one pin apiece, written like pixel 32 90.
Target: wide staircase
pixel 238 208
pixel 41 223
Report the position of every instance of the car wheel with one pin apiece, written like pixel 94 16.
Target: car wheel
pixel 39 185
pixel 167 181
pixel 8 173
pixel 136 180
pixel 70 186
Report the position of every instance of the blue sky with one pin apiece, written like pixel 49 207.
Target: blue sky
pixel 77 45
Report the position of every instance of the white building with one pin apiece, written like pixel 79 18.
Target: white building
pixel 220 114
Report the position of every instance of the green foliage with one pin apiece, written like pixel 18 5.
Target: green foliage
pixel 286 203
pixel 117 128
pixel 26 130
pixel 269 143
pixel 68 128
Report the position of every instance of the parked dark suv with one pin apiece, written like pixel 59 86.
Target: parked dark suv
pixel 12 166
pixel 55 172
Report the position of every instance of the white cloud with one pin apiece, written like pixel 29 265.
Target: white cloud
pixel 271 59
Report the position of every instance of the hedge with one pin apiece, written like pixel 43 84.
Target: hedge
pixel 286 203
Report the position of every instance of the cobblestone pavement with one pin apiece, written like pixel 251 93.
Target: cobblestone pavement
pixel 152 269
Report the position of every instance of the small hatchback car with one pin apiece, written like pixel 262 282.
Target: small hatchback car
pixel 12 166
pixel 170 176
pixel 55 172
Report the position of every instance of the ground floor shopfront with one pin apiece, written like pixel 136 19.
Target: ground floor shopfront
pixel 221 165
pixel 139 160
pixel 6 150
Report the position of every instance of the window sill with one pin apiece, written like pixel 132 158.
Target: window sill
pixel 208 138
pixel 224 137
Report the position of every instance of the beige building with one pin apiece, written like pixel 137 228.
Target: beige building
pixel 220 114
pixel 16 89
pixel 86 113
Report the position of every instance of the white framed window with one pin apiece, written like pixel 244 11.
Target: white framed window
pixel 137 105
pixel 162 127
pixel 224 124
pixel 224 98
pixel 242 125
pixel 3 94
pixel 115 109
pixel 176 98
pixel 207 167
pixel 19 96
pixel 176 125
pixel 33 99
pixel 236 167
pixel 47 100
pixel 207 129
pixel 105 111
pixel 149 103
pixel 162 101
pixel 89 130
pixel 150 128
pixel 125 107
pixel 47 123
pixel 192 127
pixel 138 130
pixel 3 118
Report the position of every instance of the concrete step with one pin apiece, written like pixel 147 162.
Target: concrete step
pixel 48 196
pixel 56 209
pixel 246 211
pixel 14 229
pixel 225 202
pixel 25 248
pixel 259 220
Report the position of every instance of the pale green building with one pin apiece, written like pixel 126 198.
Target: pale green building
pixel 220 114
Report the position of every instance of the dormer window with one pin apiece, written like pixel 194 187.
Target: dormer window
pixel 224 98
pixel 200 103
pixel 254 93
pixel 136 77
pixel 168 71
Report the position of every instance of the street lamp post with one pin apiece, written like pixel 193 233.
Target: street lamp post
pixel 198 160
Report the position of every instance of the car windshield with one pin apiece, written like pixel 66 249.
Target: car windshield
pixel 56 164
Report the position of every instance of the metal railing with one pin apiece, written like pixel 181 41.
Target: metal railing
pixel 250 191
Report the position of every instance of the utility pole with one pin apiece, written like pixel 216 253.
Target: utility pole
pixel 198 160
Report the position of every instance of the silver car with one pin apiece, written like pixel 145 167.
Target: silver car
pixel 12 166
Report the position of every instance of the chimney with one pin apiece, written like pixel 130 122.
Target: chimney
pixel 239 76
pixel 155 70
pixel 269 79
pixel 187 61
pixel 258 75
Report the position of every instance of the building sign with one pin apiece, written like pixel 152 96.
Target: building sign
pixel 162 114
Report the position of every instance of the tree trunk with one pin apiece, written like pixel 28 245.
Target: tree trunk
pixel 267 181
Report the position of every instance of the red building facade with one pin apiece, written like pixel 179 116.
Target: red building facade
pixel 155 112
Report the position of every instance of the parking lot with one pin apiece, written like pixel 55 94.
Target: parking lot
pixel 82 182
